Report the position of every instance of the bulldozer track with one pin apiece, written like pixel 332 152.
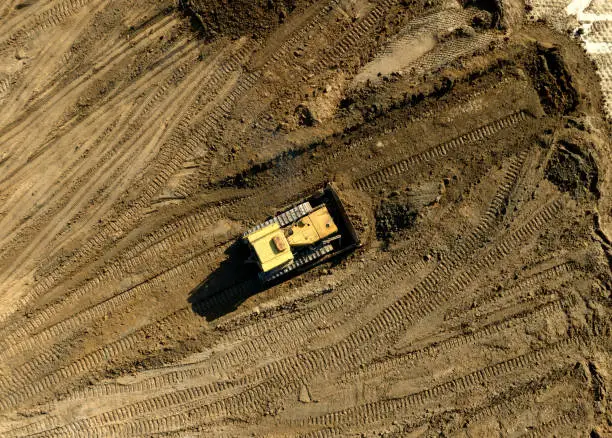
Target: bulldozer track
pixel 515 399
pixel 111 57
pixel 428 288
pixel 120 422
pixel 570 418
pixel 125 131
pixel 62 328
pixel 512 400
pixel 377 411
pixel 149 247
pixel 169 163
pixel 442 20
pixel 386 367
pixel 139 139
pixel 282 377
pixel 185 316
pixel 263 335
pixel 175 58
pixel 238 355
pixel 89 362
pixel 600 7
pixel 523 286
pixel 351 37
pixel 49 18
pixel 383 322
pixel 5 85
pixel 373 180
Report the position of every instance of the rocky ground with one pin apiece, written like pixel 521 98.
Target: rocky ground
pixel 469 141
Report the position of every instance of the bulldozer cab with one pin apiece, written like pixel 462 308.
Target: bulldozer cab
pixel 271 247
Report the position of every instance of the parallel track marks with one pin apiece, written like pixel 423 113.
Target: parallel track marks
pixel 280 378
pixel 171 157
pixel 570 418
pixel 261 340
pixel 263 335
pixel 154 243
pixel 376 411
pixel 46 19
pixel 62 329
pixel 388 365
pixel 523 285
pixel 375 179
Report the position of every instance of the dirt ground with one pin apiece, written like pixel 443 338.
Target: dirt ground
pixel 469 141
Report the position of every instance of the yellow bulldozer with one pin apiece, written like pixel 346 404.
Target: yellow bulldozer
pixel 302 236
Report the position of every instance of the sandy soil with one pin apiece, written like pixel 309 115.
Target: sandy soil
pixel 469 140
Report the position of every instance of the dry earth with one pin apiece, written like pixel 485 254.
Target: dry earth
pixel 469 141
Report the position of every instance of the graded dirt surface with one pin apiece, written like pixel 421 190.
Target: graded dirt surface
pixel 139 139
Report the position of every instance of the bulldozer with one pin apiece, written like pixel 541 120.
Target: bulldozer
pixel 301 237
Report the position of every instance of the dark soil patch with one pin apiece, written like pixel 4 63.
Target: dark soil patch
pixel 237 18
pixel 394 214
pixel 553 82
pixel 572 171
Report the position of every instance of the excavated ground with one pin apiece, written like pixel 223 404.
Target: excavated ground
pixel 139 139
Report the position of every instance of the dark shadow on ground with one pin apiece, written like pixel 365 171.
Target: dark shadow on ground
pixel 228 286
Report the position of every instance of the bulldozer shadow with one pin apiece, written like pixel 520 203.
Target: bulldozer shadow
pixel 224 289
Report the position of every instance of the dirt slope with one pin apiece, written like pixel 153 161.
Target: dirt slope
pixel 468 140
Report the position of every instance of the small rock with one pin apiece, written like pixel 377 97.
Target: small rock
pixel 20 54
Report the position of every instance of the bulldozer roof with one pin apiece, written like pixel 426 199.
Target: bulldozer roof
pixel 270 246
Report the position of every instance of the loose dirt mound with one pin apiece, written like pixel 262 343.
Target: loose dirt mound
pixel 572 171
pixel 237 18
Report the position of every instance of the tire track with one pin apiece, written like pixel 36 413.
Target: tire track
pixel 5 85
pixel 172 154
pixel 80 201
pixel 378 177
pixel 379 410
pixel 280 378
pixel 51 17
pixel 529 283
pixel 384 367
pixel 264 335
pixel 34 74
pixel 150 247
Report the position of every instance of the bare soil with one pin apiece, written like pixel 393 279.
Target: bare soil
pixel 139 139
